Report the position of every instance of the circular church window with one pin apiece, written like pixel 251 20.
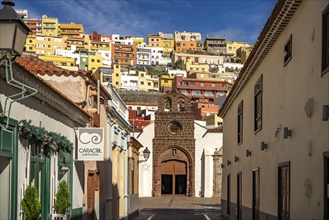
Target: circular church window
pixel 174 127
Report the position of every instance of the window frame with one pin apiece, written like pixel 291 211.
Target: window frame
pixel 258 116
pixel 240 123
pixel 325 42
pixel 287 45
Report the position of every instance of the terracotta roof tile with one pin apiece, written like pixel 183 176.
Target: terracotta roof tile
pixel 21 61
pixel 37 66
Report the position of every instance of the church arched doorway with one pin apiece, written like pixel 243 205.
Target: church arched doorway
pixel 173 177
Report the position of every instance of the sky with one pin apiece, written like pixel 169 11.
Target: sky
pixel 237 20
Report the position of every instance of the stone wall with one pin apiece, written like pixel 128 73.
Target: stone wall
pixel 174 128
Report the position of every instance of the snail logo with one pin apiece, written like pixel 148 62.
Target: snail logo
pixel 90 144
pixel 86 138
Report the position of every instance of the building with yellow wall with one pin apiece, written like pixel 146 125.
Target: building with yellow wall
pixel 168 46
pixel 166 82
pixel 116 78
pixel 70 30
pixel 45 45
pixel 232 46
pixel 61 61
pixel 49 26
pixel 147 82
pixel 81 42
pixel 30 43
pixel 138 40
pixel 109 75
pixel 99 45
pixel 94 61
pixel 191 66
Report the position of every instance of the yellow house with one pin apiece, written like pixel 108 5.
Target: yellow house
pixel 109 75
pixel 116 77
pixel 70 30
pixel 191 66
pixel 94 61
pixel 99 45
pixel 49 26
pixel 168 45
pixel 45 45
pixel 213 120
pixel 61 61
pixel 245 54
pixel 166 82
pixel 30 43
pixel 232 46
pixel 138 40
pixel 146 82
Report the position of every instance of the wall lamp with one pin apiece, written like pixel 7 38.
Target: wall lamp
pixel 286 132
pixel 263 145
pixel 248 153
pixel 325 113
pixel 228 162
pixel 146 155
pixel 236 159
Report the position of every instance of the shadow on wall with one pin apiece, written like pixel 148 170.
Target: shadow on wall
pixel 203 167
pixel 78 215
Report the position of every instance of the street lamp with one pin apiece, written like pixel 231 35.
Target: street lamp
pixel 13 34
pixel 146 154
pixel 13 30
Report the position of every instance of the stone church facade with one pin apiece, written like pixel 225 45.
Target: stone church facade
pixel 184 153
pixel 174 146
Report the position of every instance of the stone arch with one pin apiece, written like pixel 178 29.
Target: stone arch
pixel 167 104
pixel 181 104
pixel 172 160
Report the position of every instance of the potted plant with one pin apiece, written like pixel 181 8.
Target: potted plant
pixel 31 204
pixel 62 201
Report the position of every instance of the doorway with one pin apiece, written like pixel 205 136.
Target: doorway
pixel 173 178
pixel 255 194
pixel 166 184
pixel 326 185
pixel 284 192
pixel 239 196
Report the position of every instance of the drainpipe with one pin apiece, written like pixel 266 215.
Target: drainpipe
pixel 126 178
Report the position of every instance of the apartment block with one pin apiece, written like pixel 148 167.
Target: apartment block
pixel 187 36
pixel 195 89
pixel 35 25
pixel 49 26
pixel 81 42
pixel 215 45
pixel 200 58
pixel 70 30
pixel 184 46
pixel 124 54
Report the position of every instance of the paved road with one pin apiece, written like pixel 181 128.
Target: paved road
pixel 179 208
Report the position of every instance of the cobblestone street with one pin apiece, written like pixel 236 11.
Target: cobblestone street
pixel 179 207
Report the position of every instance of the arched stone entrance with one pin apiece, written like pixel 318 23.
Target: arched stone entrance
pixel 174 172
pixel 173 177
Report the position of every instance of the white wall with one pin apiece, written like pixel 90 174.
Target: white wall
pixel 21 112
pixel 205 146
pixel 146 168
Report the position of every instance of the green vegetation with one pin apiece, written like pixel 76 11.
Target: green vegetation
pixel 62 201
pixel 30 204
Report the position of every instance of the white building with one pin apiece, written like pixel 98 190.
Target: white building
pixel 276 136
